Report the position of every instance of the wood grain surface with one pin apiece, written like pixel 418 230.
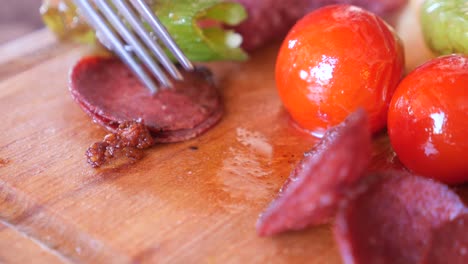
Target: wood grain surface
pixel 177 205
pixel 190 202
pixel 18 18
pixel 17 248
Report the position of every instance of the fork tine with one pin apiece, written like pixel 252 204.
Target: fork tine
pixel 100 25
pixel 131 18
pixel 130 38
pixel 161 32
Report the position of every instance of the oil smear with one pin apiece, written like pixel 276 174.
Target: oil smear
pixel 245 170
pixel 255 141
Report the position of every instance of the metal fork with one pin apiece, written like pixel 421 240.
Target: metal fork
pixel 135 38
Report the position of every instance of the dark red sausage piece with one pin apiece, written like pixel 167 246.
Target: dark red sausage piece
pixel 449 243
pixel 390 216
pixel 315 187
pixel 110 93
pixel 271 19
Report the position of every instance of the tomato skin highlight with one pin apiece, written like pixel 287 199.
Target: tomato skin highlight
pixel 428 119
pixel 335 60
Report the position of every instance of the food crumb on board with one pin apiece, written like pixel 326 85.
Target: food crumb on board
pixel 4 162
pixel 130 139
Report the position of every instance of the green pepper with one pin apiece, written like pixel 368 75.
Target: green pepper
pixel 195 25
pixel 445 25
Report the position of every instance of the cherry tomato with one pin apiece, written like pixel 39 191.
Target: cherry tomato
pixel 335 60
pixel 428 119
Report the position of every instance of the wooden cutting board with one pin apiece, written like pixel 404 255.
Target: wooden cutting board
pixel 189 202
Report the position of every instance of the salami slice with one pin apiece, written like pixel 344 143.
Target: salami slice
pixel 315 187
pixel 449 243
pixel 390 216
pixel 271 19
pixel 110 93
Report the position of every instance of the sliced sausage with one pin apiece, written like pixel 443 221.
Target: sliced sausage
pixel 389 218
pixel 110 93
pixel 315 187
pixel 449 243
pixel 271 19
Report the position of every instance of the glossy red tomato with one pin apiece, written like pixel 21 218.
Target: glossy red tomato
pixel 428 119
pixel 334 60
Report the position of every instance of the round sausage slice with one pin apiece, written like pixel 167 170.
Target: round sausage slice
pixel 449 243
pixel 110 93
pixel 270 20
pixel 390 216
pixel 315 187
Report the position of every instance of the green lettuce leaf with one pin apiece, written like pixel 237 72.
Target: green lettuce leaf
pixel 195 25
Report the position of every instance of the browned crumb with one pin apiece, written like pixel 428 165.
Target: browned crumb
pixel 97 154
pixel 4 162
pixel 129 140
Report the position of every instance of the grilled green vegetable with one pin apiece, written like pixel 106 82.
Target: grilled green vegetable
pixel 196 26
pixel 445 25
